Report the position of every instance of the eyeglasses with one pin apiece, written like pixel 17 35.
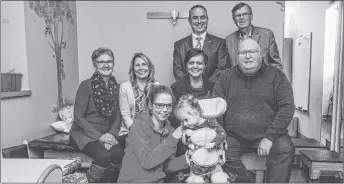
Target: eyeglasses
pixel 238 16
pixel 244 52
pixel 109 62
pixel 161 106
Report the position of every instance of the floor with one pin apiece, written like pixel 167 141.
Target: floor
pixel 299 176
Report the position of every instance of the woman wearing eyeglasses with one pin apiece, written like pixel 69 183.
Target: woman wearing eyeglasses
pixel 98 119
pixel 151 141
pixel 132 94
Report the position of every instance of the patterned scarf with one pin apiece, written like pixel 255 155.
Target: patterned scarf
pixel 105 98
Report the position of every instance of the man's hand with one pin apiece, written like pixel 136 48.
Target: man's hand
pixel 107 145
pixel 108 138
pixel 210 145
pixel 264 147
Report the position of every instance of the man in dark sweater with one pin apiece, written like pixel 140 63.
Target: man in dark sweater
pixel 260 106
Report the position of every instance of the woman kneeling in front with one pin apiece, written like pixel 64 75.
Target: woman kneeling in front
pixel 151 142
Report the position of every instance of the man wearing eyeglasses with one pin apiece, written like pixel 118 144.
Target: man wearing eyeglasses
pixel 214 47
pixel 242 16
pixel 260 106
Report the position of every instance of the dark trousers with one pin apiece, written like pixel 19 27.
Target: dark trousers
pixel 100 155
pixel 279 162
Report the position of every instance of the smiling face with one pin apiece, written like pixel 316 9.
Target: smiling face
pixel 249 58
pixel 243 17
pixel 141 68
pixel 189 116
pixel 104 65
pixel 198 20
pixel 195 66
pixel 161 108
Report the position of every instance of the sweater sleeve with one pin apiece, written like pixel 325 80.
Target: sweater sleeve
pixel 82 99
pixel 116 122
pixel 149 157
pixel 124 106
pixel 285 108
pixel 220 132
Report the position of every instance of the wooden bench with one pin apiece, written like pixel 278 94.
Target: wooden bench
pixel 321 160
pixel 306 144
pixel 255 163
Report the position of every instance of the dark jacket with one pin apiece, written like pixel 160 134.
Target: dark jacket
pixel 89 125
pixel 266 40
pixel 214 47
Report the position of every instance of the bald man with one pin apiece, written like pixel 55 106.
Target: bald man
pixel 260 107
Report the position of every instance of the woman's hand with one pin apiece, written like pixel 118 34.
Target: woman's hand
pixel 107 145
pixel 108 138
pixel 177 133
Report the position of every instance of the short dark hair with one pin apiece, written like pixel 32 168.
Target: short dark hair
pixel 197 6
pixel 195 52
pixel 100 51
pixel 154 90
pixel 240 5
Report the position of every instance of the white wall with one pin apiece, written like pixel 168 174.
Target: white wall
pixel 303 17
pixel 13 43
pixel 29 118
pixel 124 27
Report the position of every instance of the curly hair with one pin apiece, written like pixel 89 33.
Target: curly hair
pixel 100 51
pixel 151 68
pixel 188 100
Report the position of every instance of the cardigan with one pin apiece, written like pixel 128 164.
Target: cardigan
pixel 258 106
pixel 127 106
pixel 149 155
pixel 89 125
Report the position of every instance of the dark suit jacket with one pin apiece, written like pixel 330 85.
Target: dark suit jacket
pixel 266 40
pixel 214 47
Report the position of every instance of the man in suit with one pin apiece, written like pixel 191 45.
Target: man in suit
pixel 242 16
pixel 214 47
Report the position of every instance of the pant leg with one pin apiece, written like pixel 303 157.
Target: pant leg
pixel 280 160
pixel 97 151
pixel 116 153
pixel 233 163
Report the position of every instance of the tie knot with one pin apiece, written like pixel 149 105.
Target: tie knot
pixel 199 38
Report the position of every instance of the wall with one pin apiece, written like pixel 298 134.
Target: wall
pixel 29 118
pixel 303 17
pixel 13 43
pixel 124 27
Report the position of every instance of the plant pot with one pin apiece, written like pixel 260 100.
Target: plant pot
pixel 11 82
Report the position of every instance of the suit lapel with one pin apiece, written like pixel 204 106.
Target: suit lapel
pixel 208 42
pixel 255 34
pixel 188 43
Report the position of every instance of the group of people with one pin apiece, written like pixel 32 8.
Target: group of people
pixel 133 130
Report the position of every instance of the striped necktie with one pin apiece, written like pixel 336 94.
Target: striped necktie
pixel 198 45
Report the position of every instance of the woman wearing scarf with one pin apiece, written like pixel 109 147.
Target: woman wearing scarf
pixel 98 119
pixel 132 95
pixel 193 83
